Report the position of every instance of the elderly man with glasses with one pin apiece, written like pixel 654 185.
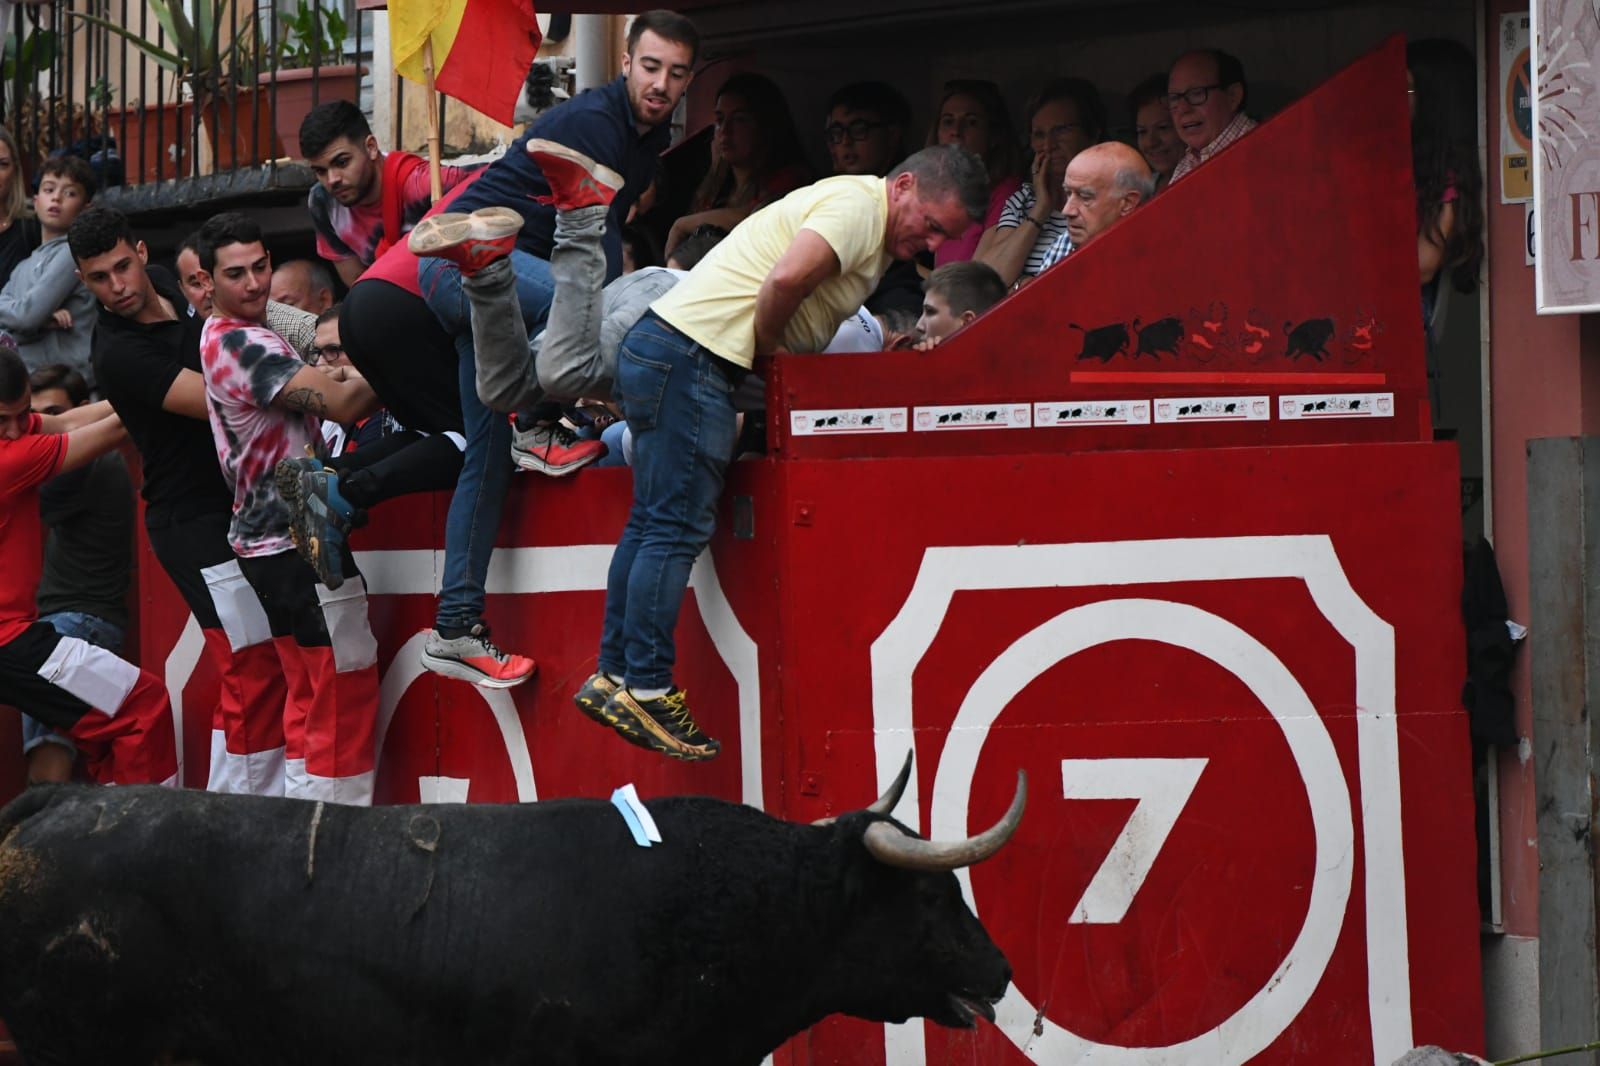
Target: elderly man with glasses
pixel 1206 93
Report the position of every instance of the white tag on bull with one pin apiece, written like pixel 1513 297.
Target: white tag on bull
pixel 633 811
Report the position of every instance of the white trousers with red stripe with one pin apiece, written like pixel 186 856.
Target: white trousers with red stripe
pixel 328 658
pixel 118 714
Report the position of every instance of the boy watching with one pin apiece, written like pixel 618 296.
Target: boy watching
pixel 44 306
pixel 954 295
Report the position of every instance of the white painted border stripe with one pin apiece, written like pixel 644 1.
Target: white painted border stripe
pixel 1310 558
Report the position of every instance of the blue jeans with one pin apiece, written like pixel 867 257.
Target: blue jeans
pixel 89 627
pixel 678 399
pixel 473 521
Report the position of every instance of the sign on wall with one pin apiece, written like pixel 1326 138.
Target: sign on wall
pixel 1516 115
pixel 1566 153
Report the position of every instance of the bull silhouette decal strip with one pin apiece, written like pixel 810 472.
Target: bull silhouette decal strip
pixel 1337 405
pixel 1091 413
pixel 837 421
pixel 1205 334
pixel 1213 409
pixel 973 416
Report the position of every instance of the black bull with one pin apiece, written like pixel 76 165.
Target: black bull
pixel 142 925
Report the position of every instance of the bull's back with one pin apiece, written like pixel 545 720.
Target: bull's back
pixel 239 921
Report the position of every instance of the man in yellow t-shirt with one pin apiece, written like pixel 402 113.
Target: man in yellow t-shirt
pixel 782 281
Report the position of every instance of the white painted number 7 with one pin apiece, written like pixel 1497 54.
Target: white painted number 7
pixel 1162 787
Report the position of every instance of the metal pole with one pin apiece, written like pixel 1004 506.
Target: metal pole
pixel 592 48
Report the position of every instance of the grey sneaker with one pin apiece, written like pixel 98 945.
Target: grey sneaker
pixel 471 656
pixel 552 449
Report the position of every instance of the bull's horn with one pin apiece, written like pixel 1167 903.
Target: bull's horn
pixel 893 847
pixel 886 803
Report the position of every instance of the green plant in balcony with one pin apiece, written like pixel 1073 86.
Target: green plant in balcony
pixel 192 49
pixel 312 36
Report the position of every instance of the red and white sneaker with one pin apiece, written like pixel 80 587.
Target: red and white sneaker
pixel 473 657
pixel 551 448
pixel 472 241
pixel 575 179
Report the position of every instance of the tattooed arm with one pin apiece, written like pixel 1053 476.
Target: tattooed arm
pixel 316 393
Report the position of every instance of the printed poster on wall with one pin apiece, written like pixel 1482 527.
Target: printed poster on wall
pixel 1566 152
pixel 1516 115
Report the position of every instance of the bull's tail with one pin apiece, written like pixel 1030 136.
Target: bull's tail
pixel 33 799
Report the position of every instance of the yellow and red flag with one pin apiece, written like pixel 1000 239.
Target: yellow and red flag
pixel 482 49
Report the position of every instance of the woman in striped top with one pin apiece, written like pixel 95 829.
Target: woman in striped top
pixel 1066 117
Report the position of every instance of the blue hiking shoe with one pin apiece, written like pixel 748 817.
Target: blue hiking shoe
pixel 325 518
pixel 286 477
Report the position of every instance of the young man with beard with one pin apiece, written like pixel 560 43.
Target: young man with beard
pixel 266 405
pixel 147 357
pixel 365 199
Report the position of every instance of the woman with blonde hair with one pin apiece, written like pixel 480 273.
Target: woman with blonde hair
pixel 973 114
pixel 19 230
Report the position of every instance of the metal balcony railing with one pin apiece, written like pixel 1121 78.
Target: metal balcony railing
pixel 97 78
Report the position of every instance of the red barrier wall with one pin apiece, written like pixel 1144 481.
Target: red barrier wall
pixel 1224 643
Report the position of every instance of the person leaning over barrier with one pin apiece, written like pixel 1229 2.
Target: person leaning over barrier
pixel 782 281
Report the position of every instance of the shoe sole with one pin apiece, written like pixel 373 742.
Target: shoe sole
pixel 287 480
pixel 461 672
pixel 433 235
pixel 529 461
pixel 328 565
pixel 659 740
pixel 591 705
pixel 599 171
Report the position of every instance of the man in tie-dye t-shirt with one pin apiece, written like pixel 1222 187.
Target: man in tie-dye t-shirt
pixel 266 405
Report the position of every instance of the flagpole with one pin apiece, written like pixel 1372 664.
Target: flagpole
pixel 434 149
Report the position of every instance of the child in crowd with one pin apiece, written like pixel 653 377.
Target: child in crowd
pixel 44 307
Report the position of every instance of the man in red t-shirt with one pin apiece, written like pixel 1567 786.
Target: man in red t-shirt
pixel 118 714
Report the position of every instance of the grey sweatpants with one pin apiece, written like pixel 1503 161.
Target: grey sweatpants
pixel 576 355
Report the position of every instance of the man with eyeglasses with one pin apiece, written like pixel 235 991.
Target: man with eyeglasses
pixel 865 132
pixel 866 128
pixel 328 353
pixel 1206 93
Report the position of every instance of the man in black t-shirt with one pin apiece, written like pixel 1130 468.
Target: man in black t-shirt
pixel 147 362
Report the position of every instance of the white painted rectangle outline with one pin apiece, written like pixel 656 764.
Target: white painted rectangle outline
pixel 1047 413
pixel 837 421
pixel 1336 405
pixel 1212 409
pixel 944 418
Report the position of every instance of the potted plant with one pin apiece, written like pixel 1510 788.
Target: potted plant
pixel 309 52
pixel 208 71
